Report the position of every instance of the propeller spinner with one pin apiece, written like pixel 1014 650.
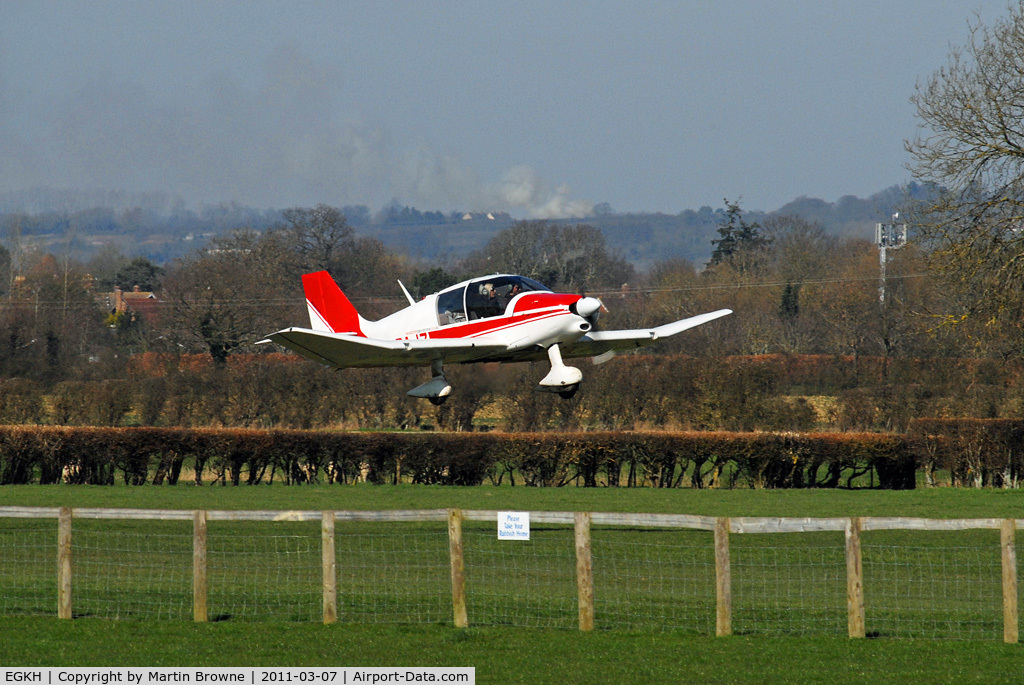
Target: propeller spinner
pixel 587 307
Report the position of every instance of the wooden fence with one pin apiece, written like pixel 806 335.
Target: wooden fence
pixel 721 528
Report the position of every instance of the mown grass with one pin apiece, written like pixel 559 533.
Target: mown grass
pixel 654 618
pixel 933 503
pixel 503 655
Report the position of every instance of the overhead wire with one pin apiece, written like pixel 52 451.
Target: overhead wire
pixel 627 290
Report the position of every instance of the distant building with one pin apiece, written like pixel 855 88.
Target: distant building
pixel 135 301
pixel 486 216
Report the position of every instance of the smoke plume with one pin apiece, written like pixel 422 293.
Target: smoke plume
pixel 289 140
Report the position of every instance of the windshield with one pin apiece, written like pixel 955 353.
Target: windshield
pixel 491 296
pixel 483 298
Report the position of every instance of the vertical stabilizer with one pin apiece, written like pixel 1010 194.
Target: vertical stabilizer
pixel 329 309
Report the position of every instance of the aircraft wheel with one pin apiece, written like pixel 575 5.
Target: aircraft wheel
pixel 569 392
pixel 437 401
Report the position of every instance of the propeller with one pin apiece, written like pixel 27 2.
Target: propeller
pixel 590 308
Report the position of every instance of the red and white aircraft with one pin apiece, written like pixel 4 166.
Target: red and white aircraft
pixel 498 318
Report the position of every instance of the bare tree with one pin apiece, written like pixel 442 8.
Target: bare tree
pixel 564 257
pixel 971 146
pixel 320 237
pixel 231 295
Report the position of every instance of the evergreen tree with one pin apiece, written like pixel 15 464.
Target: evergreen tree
pixel 789 308
pixel 737 236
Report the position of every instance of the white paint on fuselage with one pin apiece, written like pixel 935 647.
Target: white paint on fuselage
pixel 405 323
pixel 559 325
pixel 543 327
pixel 519 330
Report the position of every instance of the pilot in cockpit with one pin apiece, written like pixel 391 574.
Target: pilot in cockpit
pixel 509 293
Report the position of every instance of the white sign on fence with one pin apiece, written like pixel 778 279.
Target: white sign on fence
pixel 513 525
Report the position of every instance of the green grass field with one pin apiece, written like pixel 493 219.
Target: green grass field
pixel 790 624
pixel 503 655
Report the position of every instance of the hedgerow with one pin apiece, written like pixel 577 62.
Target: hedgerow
pixel 976 452
pixel 158 456
pixel 765 393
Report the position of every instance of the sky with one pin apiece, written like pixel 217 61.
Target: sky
pixel 540 109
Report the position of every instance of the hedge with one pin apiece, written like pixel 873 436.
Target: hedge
pixel 976 452
pixel 137 456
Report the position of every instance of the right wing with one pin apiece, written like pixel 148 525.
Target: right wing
pixel 597 343
pixel 342 350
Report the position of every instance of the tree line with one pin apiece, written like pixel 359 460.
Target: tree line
pixel 96 225
pixel 946 341
pixel 799 293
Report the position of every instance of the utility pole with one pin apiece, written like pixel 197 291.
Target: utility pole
pixel 891 235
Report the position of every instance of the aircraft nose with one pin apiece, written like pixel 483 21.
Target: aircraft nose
pixel 588 306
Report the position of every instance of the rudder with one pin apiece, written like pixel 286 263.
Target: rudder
pixel 329 309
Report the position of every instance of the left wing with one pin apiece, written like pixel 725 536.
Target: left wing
pixel 342 350
pixel 599 342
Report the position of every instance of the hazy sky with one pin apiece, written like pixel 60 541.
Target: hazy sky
pixel 538 108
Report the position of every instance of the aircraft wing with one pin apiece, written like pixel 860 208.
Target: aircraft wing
pixel 341 350
pixel 599 342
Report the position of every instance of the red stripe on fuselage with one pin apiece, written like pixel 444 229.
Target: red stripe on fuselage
pixel 483 327
pixel 529 308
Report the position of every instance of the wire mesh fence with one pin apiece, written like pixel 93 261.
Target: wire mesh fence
pixel 652 579
pixel 635 572
pixel 271 573
pixel 400 576
pixel 934 584
pixel 515 585
pixel 124 571
pixel 27 571
pixel 786 584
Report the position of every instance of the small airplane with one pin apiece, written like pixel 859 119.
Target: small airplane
pixel 497 318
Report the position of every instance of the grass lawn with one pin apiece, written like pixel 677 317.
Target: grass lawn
pixel 932 503
pixel 502 655
pixel 533 653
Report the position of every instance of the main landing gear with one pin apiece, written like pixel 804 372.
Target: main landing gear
pixel 437 389
pixel 562 380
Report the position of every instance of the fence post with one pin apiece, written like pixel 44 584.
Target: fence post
pixel 330 568
pixel 854 579
pixel 584 570
pixel 1007 534
pixel 458 568
pixel 64 563
pixel 723 578
pixel 199 583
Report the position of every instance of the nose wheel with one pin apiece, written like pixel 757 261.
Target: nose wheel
pixel 562 380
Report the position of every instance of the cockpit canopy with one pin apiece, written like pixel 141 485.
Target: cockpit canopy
pixel 484 297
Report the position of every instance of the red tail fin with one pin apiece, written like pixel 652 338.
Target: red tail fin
pixel 329 309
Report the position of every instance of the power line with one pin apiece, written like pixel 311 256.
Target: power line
pixel 284 302
pixel 739 286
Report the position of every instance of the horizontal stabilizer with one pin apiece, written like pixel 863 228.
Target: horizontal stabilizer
pixel 341 350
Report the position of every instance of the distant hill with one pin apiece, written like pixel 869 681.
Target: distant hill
pixel 645 238
pixel 153 227
pixel 850 216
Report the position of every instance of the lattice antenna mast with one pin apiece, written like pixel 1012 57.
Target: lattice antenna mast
pixel 891 235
